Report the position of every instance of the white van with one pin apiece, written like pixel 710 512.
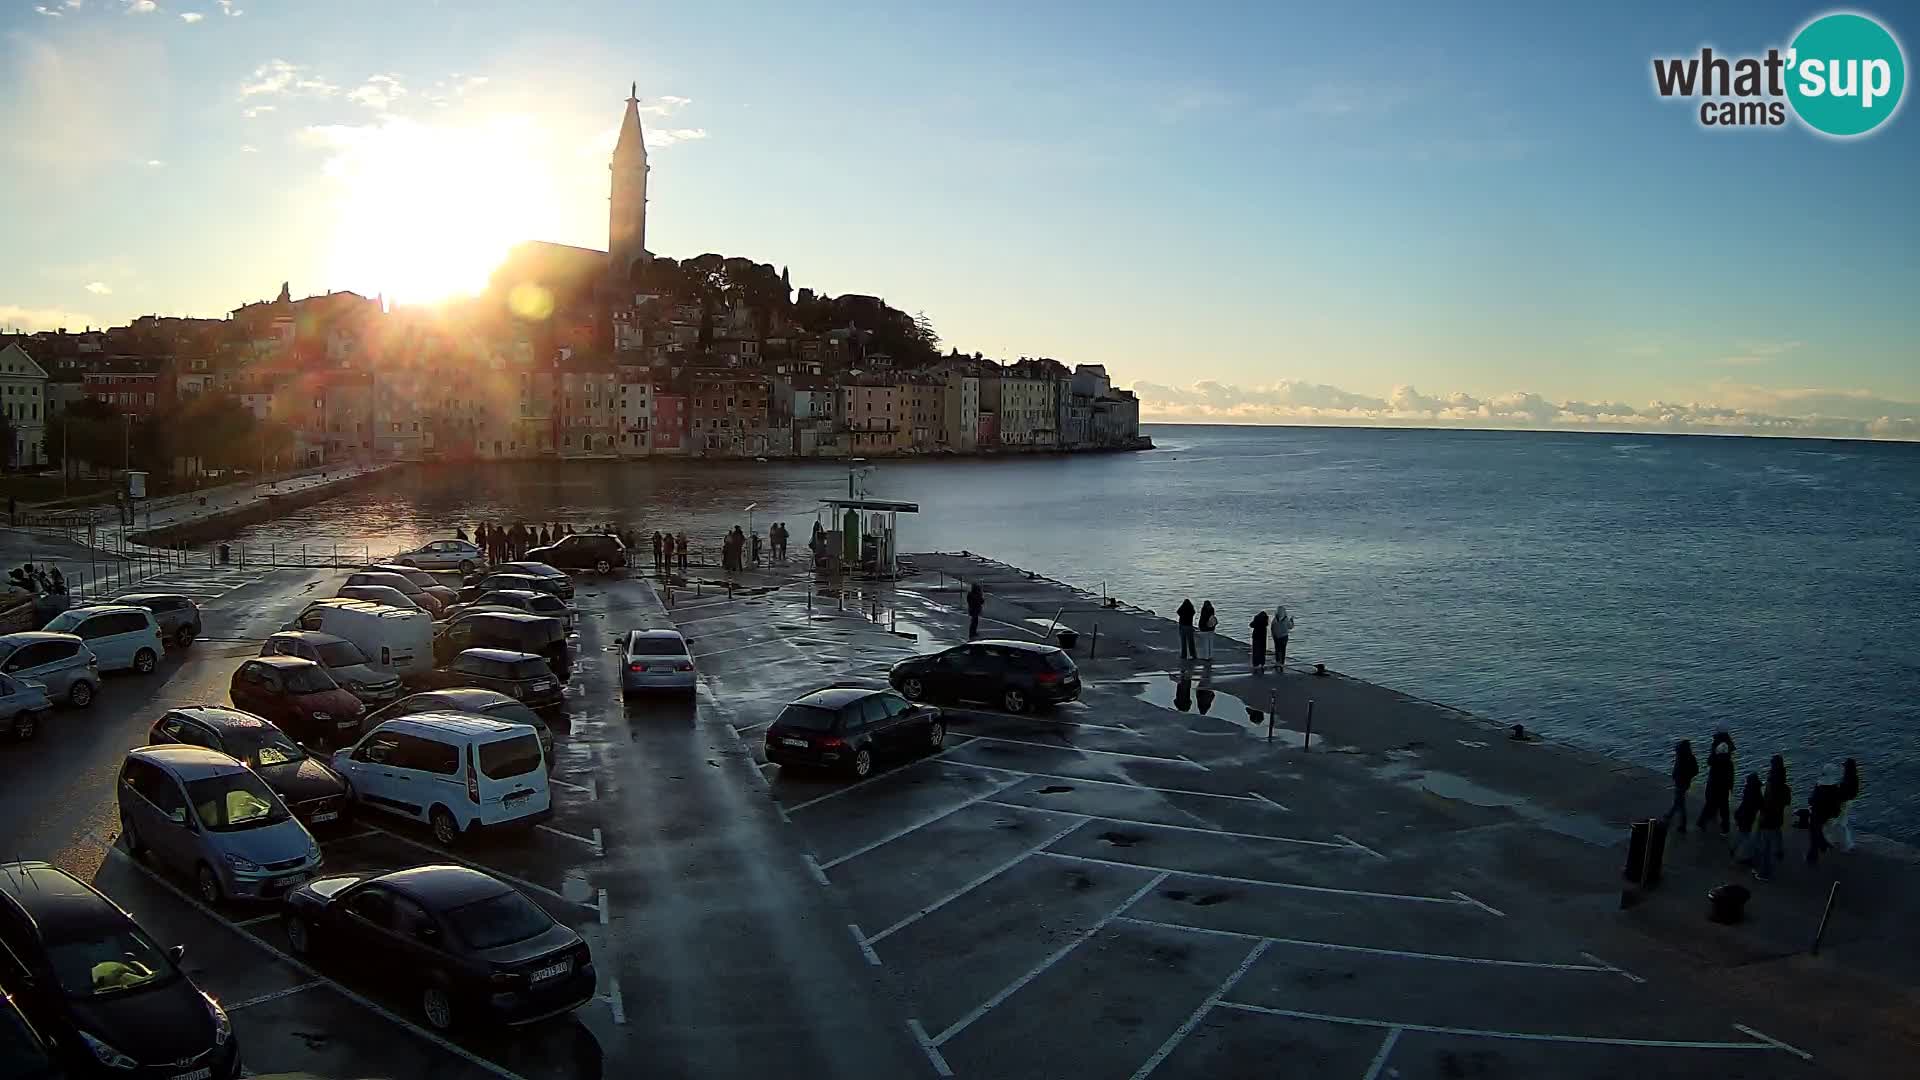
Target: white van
pixel 458 772
pixel 121 636
pixel 400 640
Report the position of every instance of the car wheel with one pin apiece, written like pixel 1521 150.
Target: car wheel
pixel 184 637
pixel 437 1004
pixel 1015 700
pixel 936 735
pixel 914 689
pixel 299 935
pixel 207 884
pixel 25 725
pixel 863 765
pixel 80 694
pixel 143 661
pixel 445 830
pixel 466 567
pixel 603 567
pixel 131 837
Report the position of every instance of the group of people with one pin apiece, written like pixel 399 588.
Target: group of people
pixel 26 577
pixel 669 551
pixel 1196 639
pixel 734 547
pixel 1761 816
pixel 504 544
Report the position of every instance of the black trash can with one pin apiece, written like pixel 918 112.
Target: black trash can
pixel 1067 639
pixel 1728 903
pixel 226 554
pixel 1656 852
pixel 1637 834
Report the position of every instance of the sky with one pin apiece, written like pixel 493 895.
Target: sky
pixel 1354 212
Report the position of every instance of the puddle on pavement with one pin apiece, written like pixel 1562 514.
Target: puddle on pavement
pixel 1055 789
pixel 1403 769
pixel 576 887
pixel 1187 695
pixel 1120 839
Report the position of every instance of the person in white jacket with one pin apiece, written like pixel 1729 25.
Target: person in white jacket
pixel 1281 626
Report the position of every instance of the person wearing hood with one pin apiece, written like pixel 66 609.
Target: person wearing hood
pixel 1822 807
pixel 1769 846
pixel 1751 799
pixel 1188 649
pixel 1720 774
pixel 1685 768
pixel 1208 623
pixel 1259 627
pixel 976 600
pixel 1281 626
pixel 1849 791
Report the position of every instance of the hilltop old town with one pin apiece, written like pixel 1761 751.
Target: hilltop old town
pixel 569 353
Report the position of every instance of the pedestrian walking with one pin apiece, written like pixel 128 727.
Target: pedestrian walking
pixel 1719 794
pixel 1769 846
pixel 1259 627
pixel 1685 768
pixel 1822 807
pixel 480 536
pixel 1752 798
pixel 1280 626
pixel 1849 791
pixel 1208 622
pixel 681 547
pixel 975 601
pixel 1188 648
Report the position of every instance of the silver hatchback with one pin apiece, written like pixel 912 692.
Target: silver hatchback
pixel 60 662
pixel 207 816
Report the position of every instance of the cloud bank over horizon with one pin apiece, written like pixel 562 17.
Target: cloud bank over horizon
pixel 1740 410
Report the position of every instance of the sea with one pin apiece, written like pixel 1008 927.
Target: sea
pixel 1618 591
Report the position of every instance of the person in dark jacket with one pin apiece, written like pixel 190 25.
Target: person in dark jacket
pixel 1188 648
pixel 1769 846
pixel 681 548
pixel 1685 768
pixel 1720 775
pixel 1822 807
pixel 1849 791
pixel 658 540
pixel 1259 627
pixel 480 536
pixel 975 601
pixel 1752 797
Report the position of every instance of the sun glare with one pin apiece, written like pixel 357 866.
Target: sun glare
pixel 425 212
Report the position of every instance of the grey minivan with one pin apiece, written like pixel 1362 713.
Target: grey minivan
pixel 178 616
pixel 205 815
pixel 60 662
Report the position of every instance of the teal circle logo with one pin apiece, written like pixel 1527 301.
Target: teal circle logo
pixel 1845 74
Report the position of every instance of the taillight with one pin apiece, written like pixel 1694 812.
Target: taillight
pixel 503 979
pixel 636 667
pixel 683 667
pixel 473 779
pixel 829 742
pixel 1047 677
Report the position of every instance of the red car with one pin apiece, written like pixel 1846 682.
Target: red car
pixel 300 697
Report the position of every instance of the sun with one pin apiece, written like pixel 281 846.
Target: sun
pixel 424 212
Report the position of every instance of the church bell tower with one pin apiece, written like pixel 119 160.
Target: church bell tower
pixel 627 210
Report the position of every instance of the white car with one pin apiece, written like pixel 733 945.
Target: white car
pixel 656 660
pixel 121 636
pixel 457 772
pixel 459 555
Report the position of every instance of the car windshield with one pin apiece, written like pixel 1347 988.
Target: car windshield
pixel 516 756
pixel 657 646
pixel 341 654
pixel 546 602
pixel 309 680
pixel 234 801
pixel 109 961
pixel 807 718
pixel 1059 661
pixel 530 668
pixel 512 712
pixel 498 920
pixel 264 746
pixel 64 622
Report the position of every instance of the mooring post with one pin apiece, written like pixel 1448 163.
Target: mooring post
pixel 1273 710
pixel 1093 646
pixel 1306 741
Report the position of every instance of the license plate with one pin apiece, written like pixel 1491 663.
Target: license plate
pixel 517 798
pixel 197 1074
pixel 552 971
pixel 801 743
pixel 345 724
pixel 321 817
pixel 543 684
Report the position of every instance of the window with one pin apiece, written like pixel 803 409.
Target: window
pixel 373 905
pixel 516 756
pixel 498 920
pixel 35 653
pixel 99 961
pixel 895 705
pixel 429 755
pixel 235 801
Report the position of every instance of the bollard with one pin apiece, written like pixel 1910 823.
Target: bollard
pixel 1273 710
pixel 893 620
pixel 1306 741
pixel 1093 647
pixel 809 602
pixel 1825 914
pixel 840 599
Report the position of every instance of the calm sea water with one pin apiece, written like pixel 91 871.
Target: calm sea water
pixel 1619 591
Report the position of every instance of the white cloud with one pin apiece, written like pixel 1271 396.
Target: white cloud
pixel 191 16
pixel 378 92
pixel 226 7
pixel 155 163
pixel 255 110
pixel 26 318
pixel 142 7
pixel 665 105
pixel 47 11
pixel 99 288
pixel 249 149
pixel 1741 410
pixel 279 77
pixel 659 137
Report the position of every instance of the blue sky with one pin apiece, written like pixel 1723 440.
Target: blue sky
pixel 1305 210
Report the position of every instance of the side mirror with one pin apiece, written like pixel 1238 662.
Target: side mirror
pixel 177 953
pixel 177 815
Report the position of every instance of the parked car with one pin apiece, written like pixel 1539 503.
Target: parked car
pixel 24 706
pixel 523 676
pixel 178 616
pixel 312 790
pixel 458 555
pixel 473 590
pixel 24 1052
pixel 455 771
pixel 429 584
pixel 60 662
pixel 121 636
pixel 388 595
pixel 343 660
pixel 656 660
pixel 97 989
pixel 539 570
pixel 203 814
pixel 469 699
pixel 516 630
pixel 299 696
pixel 400 639
pixel 851 727
pixel 474 949
pixel 401 583
pixel 527 600
pixel 601 553
pixel 1015 675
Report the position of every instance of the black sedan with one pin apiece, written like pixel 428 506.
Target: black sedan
pixel 849 728
pixel 475 950
pixel 312 790
pixel 1015 675
pixel 98 989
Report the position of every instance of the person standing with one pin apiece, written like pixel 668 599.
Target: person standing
pixel 1822 807
pixel 681 547
pixel 1849 791
pixel 1752 798
pixel 1719 793
pixel 1685 768
pixel 756 549
pixel 1188 648
pixel 1208 623
pixel 657 542
pixel 1769 846
pixel 666 545
pixel 975 601
pixel 1281 625
pixel 1259 627
pixel 480 536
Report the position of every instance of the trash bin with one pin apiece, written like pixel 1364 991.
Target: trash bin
pixel 1656 852
pixel 1067 639
pixel 1637 834
pixel 1728 903
pixel 226 554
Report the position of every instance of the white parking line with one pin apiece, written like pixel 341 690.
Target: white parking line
pixel 1451 958
pixel 1025 717
pixel 442 853
pixel 754 727
pixel 601 903
pixel 933 1052
pixel 917 826
pixel 1176 828
pixel 857 784
pixel 559 783
pixel 1180 1033
pixel 974 884
pixel 1763 1037
pixel 297 964
pixel 593 841
pixel 1522 1036
pixel 1089 750
pixel 743 648
pixel 275 996
pixel 1386 1051
pixel 1622 972
pixel 1269 802
pixel 866 947
pixel 258 919
pixel 615 1003
pixel 1039 969
pixel 1111 783
pixel 1488 908
pixel 1293 885
pixel 813 866
pixel 1351 842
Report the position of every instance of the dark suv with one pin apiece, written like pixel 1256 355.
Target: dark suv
pixel 523 676
pixel 599 552
pixel 1015 675
pixel 519 631
pixel 178 616
pixel 849 727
